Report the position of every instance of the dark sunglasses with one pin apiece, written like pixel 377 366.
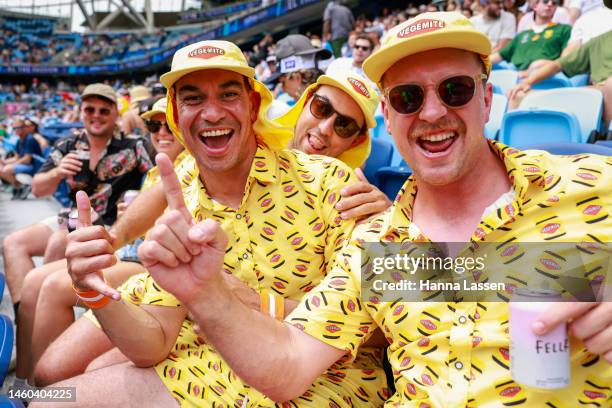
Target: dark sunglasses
pixel 553 2
pixel 90 110
pixel 453 92
pixel 344 126
pixel 361 47
pixel 154 126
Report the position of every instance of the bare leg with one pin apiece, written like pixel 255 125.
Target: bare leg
pixel 111 357
pixel 69 356
pixel 122 385
pixel 25 317
pixel 18 249
pixel 54 312
pixel 56 246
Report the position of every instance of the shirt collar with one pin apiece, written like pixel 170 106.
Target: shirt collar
pixel 525 172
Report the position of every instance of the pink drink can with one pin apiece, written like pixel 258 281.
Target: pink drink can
pixel 537 361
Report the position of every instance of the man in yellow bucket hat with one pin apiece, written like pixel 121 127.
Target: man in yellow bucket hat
pixel 279 208
pixel 432 71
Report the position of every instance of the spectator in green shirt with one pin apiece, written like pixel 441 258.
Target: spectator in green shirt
pixel 593 58
pixel 544 41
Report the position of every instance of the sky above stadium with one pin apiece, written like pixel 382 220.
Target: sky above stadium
pixel 64 8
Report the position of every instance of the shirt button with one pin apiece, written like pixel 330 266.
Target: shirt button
pixel 458 365
pixel 245 255
pixel 238 216
pixel 462 319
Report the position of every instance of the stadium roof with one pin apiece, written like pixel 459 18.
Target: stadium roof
pixel 101 15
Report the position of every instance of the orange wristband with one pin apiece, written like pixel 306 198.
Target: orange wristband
pixel 272 305
pixel 91 298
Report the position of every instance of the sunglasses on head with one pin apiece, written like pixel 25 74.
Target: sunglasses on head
pixel 154 126
pixel 453 92
pixel 321 108
pixel 90 110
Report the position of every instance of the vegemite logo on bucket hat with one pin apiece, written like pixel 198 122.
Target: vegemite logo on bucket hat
pixel 206 52
pixel 421 27
pixel 358 86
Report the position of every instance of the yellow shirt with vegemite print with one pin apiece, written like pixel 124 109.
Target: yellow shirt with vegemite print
pixel 282 239
pixel 455 354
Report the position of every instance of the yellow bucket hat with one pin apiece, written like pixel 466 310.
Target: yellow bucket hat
pixel 427 31
pixel 358 88
pixel 158 107
pixel 222 55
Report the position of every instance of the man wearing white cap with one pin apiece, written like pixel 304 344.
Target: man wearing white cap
pixel 432 70
pixel 277 205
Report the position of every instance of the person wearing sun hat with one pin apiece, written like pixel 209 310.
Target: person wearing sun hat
pixel 432 71
pixel 278 208
pixel 333 117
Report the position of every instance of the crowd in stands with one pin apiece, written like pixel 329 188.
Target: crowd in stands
pixel 536 38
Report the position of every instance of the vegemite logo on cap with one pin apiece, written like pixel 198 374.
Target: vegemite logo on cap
pixel 359 86
pixel 421 27
pixel 206 52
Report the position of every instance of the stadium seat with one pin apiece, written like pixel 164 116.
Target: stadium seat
pixel 380 132
pixel 572 148
pixel 391 179
pixel 606 143
pixel 499 105
pixel 557 81
pixel 5 402
pixel 380 156
pixel 527 127
pixel 504 78
pixel 6 345
pixel 585 103
pixel 503 65
pixel 580 80
pixel 2 279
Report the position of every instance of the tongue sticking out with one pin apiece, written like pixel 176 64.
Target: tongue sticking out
pixel 436 147
pixel 217 142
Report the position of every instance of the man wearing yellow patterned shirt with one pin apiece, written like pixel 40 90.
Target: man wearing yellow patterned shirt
pixel 464 189
pixel 278 206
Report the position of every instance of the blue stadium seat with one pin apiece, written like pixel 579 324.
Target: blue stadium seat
pixel 5 402
pixel 572 148
pixel 6 345
pixel 1 285
pixel 526 127
pixel 585 103
pixel 391 179
pixel 503 65
pixel 504 78
pixel 606 143
pixel 499 105
pixel 380 132
pixel 556 81
pixel 580 80
pixel 380 156
pixel 61 194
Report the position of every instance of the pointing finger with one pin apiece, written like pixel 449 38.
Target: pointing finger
pixel 172 187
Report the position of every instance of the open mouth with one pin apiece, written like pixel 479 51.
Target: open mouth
pixel 437 144
pixel 216 140
pixel 316 144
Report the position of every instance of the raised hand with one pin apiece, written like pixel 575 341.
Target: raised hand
pixel 361 199
pixel 180 255
pixel 90 250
